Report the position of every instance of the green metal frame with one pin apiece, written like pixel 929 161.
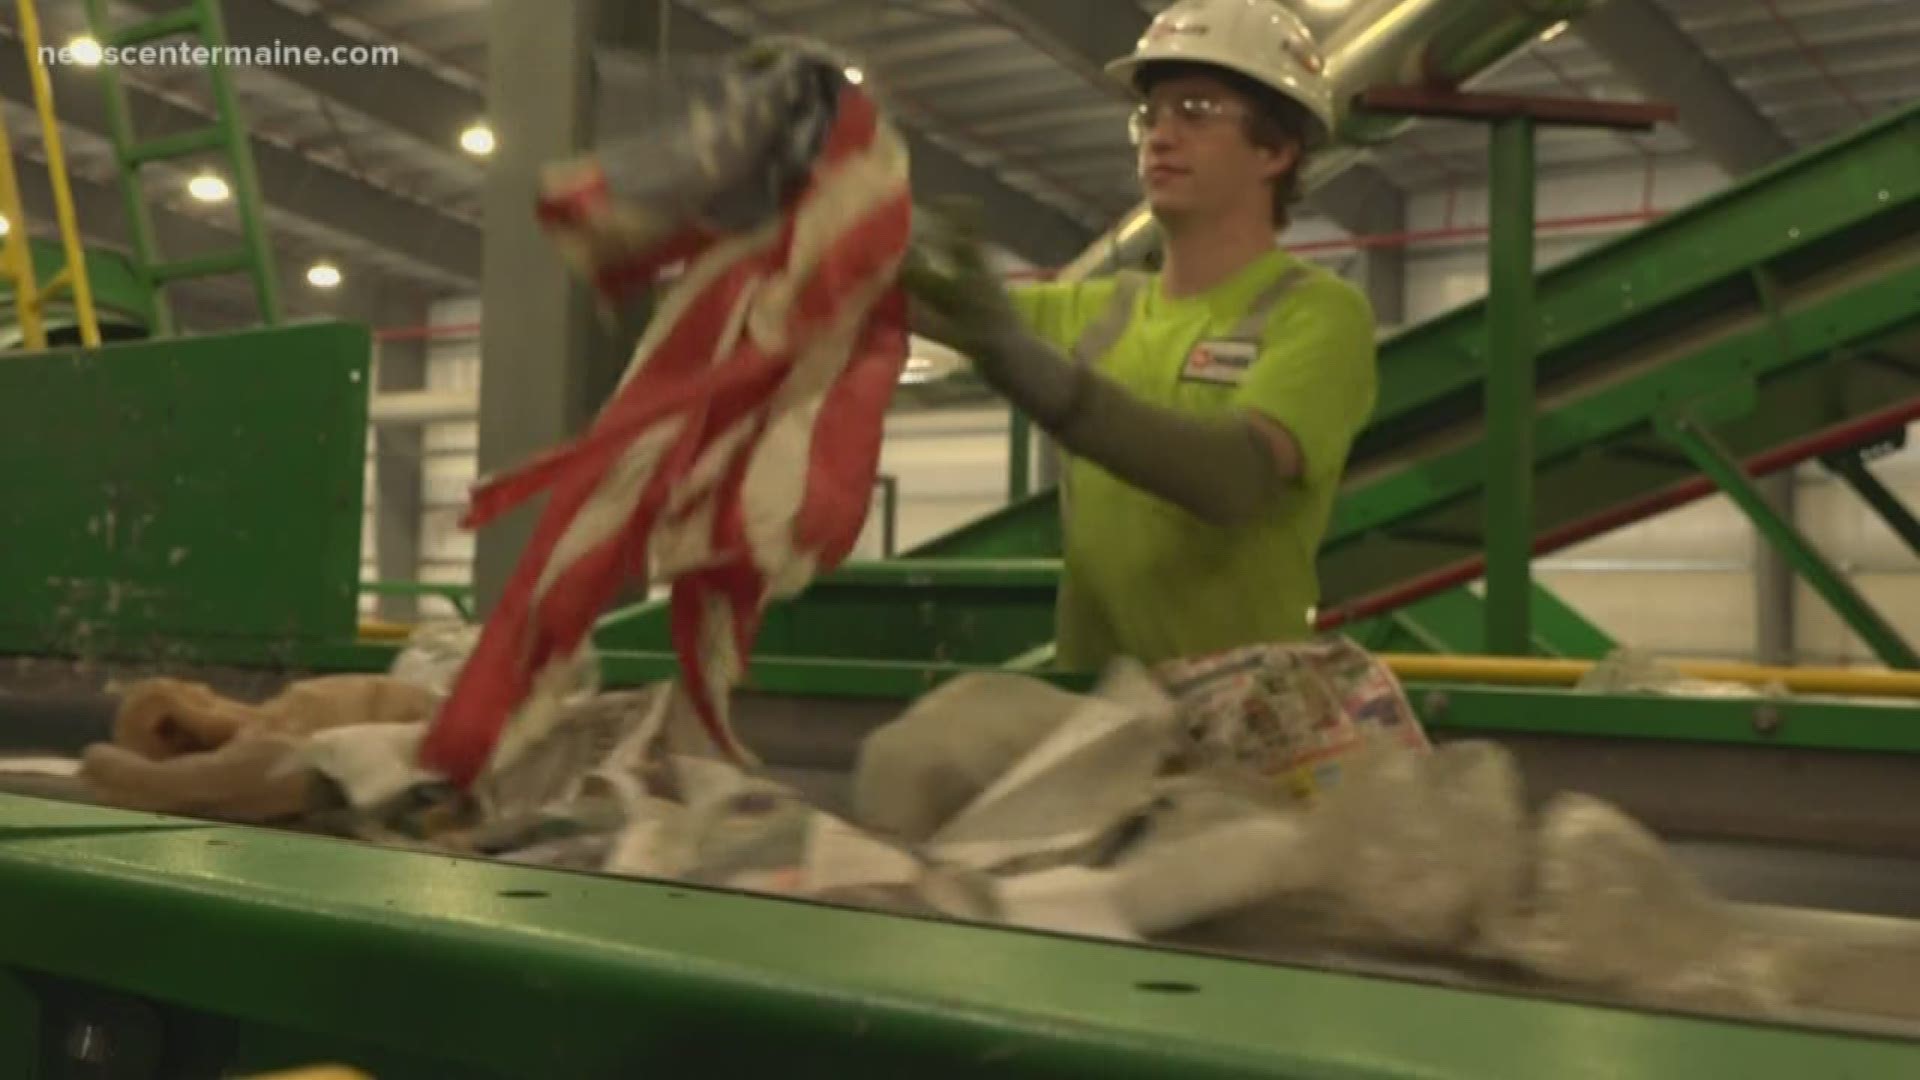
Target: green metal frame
pixel 1852 468
pixel 180 492
pixel 1510 331
pixel 901 610
pixel 1455 621
pixel 201 22
pixel 1826 579
pixel 1828 724
pixel 458 597
pixel 120 295
pixel 206 950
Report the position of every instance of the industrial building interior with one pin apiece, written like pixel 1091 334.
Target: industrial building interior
pixel 1726 314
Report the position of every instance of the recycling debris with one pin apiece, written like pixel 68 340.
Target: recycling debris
pixel 1166 805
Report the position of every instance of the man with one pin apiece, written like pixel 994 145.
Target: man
pixel 1207 409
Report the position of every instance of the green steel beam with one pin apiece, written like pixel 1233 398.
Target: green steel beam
pixel 1455 621
pixel 1853 469
pixel 1560 630
pixel 1800 723
pixel 458 597
pixel 1028 529
pixel 1508 532
pixel 257 949
pixel 1826 579
pixel 899 610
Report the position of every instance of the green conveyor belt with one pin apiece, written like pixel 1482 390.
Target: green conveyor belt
pixel 217 948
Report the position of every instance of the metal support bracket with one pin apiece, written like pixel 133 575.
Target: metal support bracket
pixel 1692 437
pixel 1512 326
pixel 1852 468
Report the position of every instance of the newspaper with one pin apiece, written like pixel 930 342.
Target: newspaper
pixel 1292 713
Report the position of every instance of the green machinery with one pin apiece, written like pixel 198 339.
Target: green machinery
pixel 124 305
pixel 1777 322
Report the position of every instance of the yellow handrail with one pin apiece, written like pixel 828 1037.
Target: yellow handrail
pixel 1514 671
pixel 30 297
pixel 16 255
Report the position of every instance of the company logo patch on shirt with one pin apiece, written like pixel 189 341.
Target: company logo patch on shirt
pixel 1224 362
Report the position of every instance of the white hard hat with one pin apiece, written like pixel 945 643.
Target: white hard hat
pixel 1261 39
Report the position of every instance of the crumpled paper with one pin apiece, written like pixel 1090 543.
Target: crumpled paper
pixel 1132 812
pixel 181 747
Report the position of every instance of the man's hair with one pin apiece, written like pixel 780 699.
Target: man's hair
pixel 1273 121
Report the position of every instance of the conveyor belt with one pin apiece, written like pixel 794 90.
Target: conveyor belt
pixel 1859 908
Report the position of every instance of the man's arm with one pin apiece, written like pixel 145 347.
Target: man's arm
pixel 1224 470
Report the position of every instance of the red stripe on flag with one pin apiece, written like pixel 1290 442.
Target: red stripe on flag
pixel 685 379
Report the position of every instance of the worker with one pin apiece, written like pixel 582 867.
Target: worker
pixel 1207 410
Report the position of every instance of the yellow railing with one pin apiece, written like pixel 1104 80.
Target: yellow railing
pixel 1543 672
pixel 30 295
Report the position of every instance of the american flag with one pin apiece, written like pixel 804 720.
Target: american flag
pixel 737 456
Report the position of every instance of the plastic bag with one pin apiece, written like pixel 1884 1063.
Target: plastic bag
pixel 1630 671
pixel 434 653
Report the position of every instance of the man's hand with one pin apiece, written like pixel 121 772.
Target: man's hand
pixel 958 301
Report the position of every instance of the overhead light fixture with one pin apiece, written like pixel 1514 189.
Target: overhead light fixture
pixel 208 188
pixel 1554 31
pixel 323 275
pixel 477 140
pixel 1329 7
pixel 5 225
pixel 855 75
pixel 85 51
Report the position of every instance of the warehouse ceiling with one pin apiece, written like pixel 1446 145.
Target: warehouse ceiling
pixel 1004 101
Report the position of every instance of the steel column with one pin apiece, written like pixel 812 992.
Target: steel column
pixel 1852 469
pixel 1019 456
pixel 1826 579
pixel 1773 580
pixel 535 321
pixel 1510 385
pixel 398 473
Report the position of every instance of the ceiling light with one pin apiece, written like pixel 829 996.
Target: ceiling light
pixel 1329 7
pixel 323 275
pixel 85 51
pixel 1554 31
pixel 5 225
pixel 856 76
pixel 477 140
pixel 208 188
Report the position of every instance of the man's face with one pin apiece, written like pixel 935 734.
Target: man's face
pixel 1194 154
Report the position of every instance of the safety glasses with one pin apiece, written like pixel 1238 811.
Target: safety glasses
pixel 1191 112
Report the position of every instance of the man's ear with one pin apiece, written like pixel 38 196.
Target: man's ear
pixel 1282 159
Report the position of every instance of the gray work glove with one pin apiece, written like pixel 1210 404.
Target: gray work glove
pixel 1222 470
pixel 958 301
